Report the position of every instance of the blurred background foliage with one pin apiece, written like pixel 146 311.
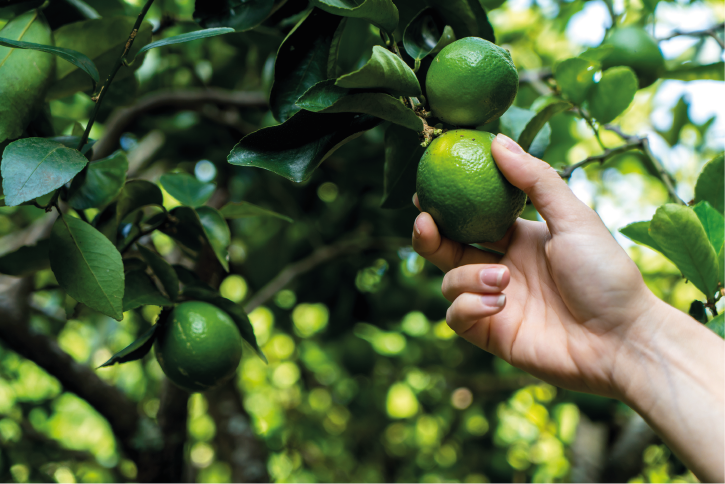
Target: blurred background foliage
pixel 365 381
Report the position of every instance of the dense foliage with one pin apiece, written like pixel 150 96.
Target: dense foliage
pixel 132 133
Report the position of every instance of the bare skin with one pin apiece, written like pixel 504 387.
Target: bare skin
pixel 577 314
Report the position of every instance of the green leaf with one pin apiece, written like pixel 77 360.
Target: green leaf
pixel 639 232
pixel 379 105
pixel 141 291
pixel 235 210
pixel 717 325
pixel 136 350
pixel 24 74
pixel 424 35
pixel 613 93
pixel 303 60
pixel 72 56
pixel 515 120
pixel 102 40
pixel 575 77
pixel 696 72
pixel 233 310
pixel 537 123
pixel 385 71
pixel 187 37
pixel 27 260
pixel 187 230
pixel 698 312
pixel 32 167
pixel 382 13
pixel 323 95
pixel 100 183
pixel 217 233
pixel 162 270
pixel 295 148
pixel 189 279
pixel 137 194
pixel 87 265
pixel 679 120
pixel 682 237
pixel 240 15
pixel 712 221
pixel 721 265
pixel 187 189
pixel 466 17
pixel 597 54
pixel 711 183
pixel 402 154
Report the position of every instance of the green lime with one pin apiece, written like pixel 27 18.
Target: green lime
pixel 635 48
pixel 461 187
pixel 199 346
pixel 471 82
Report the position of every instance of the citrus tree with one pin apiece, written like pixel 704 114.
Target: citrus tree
pixel 132 211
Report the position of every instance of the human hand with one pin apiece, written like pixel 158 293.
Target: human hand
pixel 573 298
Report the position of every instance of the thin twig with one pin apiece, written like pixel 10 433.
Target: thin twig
pixel 320 256
pixel 601 158
pixel 663 175
pixel 119 63
pixel 709 32
pixel 591 124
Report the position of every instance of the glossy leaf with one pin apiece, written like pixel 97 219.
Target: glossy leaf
pixel 240 15
pixel 74 57
pixel 186 230
pixel 136 350
pixel 639 232
pixel 684 241
pixel 100 183
pixel 514 122
pixel 187 37
pixel 698 312
pixel 385 71
pixel 721 265
pixel 236 210
pixel 575 78
pixel 323 95
pixel 303 60
pixel 137 194
pixel 233 310
pixel 537 123
pixel 27 260
pixel 466 17
pixel 187 189
pixel 613 93
pixel 423 36
pixel 597 54
pixel 162 270
pixel 711 184
pixel 32 167
pixel 24 74
pixel 141 291
pixel 87 265
pixel 717 325
pixel 189 279
pixel 382 13
pixel 295 148
pixel 102 40
pixel 712 221
pixel 402 154
pixel 217 233
pixel 696 72
pixel 380 105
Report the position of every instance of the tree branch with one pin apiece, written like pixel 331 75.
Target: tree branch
pixel 709 32
pixel 15 332
pixel 122 119
pixel 601 158
pixel 320 256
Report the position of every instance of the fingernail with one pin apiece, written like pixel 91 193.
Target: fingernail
pixel 416 230
pixel 492 277
pixel 509 144
pixel 493 301
pixel 415 201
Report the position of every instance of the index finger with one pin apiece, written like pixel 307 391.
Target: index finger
pixel 445 253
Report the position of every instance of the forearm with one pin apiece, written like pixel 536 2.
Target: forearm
pixel 672 372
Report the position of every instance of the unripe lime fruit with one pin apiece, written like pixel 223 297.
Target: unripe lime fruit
pixel 198 346
pixel 461 187
pixel 471 82
pixel 635 48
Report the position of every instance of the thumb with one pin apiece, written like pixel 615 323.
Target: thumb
pixel 551 196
